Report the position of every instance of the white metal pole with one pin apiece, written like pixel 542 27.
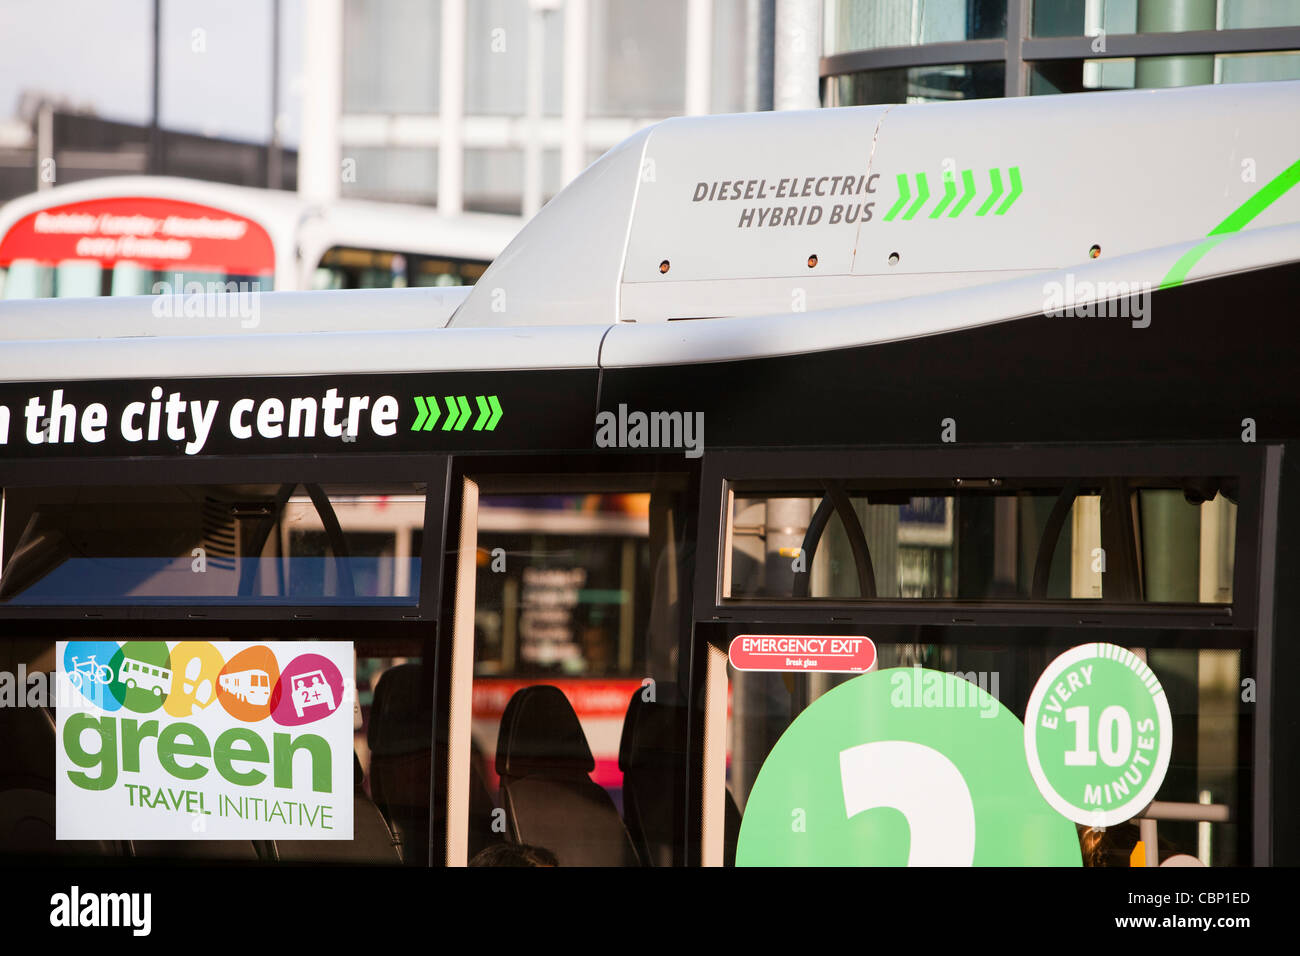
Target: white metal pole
pixel 795 83
pixel 319 172
pixel 699 58
pixel 533 125
pixel 451 110
pixel 573 147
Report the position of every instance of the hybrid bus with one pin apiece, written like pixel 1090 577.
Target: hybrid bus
pixel 920 386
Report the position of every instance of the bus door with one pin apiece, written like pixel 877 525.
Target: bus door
pixel 565 728
pixel 874 630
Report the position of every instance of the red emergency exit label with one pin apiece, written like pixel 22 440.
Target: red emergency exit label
pixel 802 652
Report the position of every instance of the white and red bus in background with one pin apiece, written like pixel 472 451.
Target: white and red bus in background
pixel 124 235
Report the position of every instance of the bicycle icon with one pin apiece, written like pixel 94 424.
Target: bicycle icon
pixel 90 671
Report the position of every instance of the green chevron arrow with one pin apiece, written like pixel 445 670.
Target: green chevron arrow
pixel 904 194
pixel 1012 196
pixel 995 178
pixel 483 413
pixel 496 413
pixel 922 194
pixel 429 412
pixel 464 413
pixel 967 193
pixel 949 194
pixel 450 422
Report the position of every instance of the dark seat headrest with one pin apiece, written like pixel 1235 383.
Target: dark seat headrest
pixel 653 730
pixel 401 717
pixel 540 732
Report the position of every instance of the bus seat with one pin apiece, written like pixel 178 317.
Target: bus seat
pixel 27 804
pixel 27 827
pixel 652 756
pixel 27 758
pixel 550 800
pixel 240 850
pixel 401 721
pixel 372 841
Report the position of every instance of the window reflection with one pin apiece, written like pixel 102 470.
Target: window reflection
pixel 219 543
pixel 1112 540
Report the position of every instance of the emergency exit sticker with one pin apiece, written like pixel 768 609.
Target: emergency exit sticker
pixel 802 652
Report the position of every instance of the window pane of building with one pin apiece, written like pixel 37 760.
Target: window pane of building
pixel 1054 18
pixel 494 180
pixel 394 173
pixel 637 60
pixel 1127 73
pixel 869 24
pixel 735 42
pixel 922 84
pixel 390 55
pixel 498 42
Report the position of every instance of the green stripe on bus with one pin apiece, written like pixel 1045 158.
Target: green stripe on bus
pixel 1272 191
pixel 1188 259
pixel 1268 194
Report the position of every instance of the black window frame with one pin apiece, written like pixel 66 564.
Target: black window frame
pixel 433 470
pixel 723 468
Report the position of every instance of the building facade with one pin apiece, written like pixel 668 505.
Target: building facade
pixel 896 51
pixel 493 105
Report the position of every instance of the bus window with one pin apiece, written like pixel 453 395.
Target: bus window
pixel 351 268
pixel 259 544
pixel 579 597
pixel 392 755
pixel 85 279
pixel 1125 540
pixel 1202 809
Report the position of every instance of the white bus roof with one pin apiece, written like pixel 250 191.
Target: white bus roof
pixel 940 196
pixel 292 337
pixel 1171 185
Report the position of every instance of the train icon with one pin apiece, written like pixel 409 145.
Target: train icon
pixel 250 686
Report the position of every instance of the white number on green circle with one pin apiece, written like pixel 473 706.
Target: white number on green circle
pixel 1114 727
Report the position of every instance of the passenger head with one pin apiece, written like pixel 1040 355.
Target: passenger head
pixel 514 854
pixel 1111 846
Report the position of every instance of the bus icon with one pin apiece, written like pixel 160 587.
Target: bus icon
pixel 151 677
pixel 312 690
pixel 250 686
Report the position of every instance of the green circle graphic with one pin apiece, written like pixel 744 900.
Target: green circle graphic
pixel 1098 734
pixel 940 779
